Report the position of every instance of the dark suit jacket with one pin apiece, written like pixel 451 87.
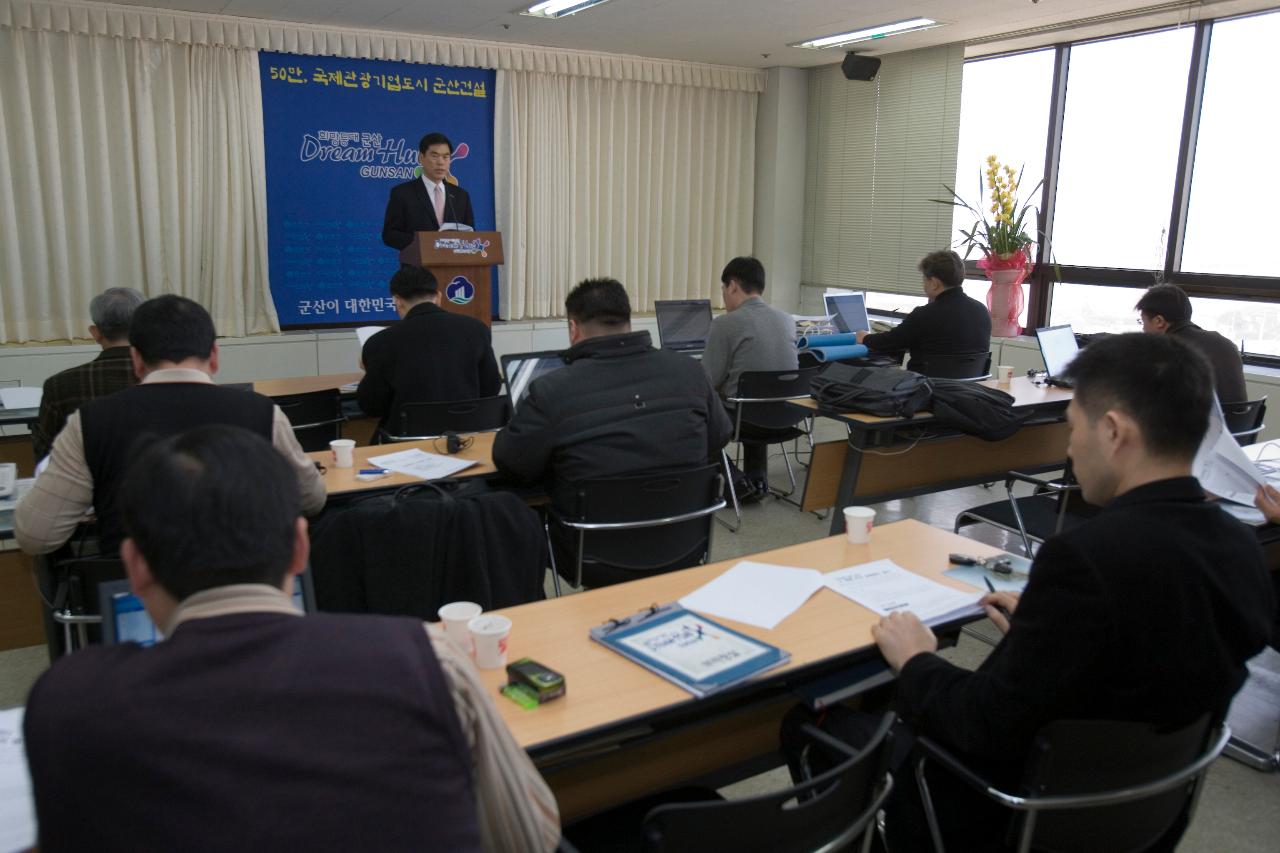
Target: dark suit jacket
pixel 1147 612
pixel 409 210
pixel 952 324
pixel 432 355
pixel 1223 358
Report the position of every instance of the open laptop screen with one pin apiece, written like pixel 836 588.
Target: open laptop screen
pixel 850 310
pixel 683 323
pixel 520 369
pixel 1058 347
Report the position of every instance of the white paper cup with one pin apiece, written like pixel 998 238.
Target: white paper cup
pixel 344 452
pixel 1004 374
pixel 857 523
pixel 455 616
pixel 489 633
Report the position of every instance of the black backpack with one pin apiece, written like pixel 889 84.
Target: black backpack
pixel 975 409
pixel 888 392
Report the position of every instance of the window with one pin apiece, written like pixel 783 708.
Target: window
pixel 1121 131
pixel 1016 137
pixel 1231 223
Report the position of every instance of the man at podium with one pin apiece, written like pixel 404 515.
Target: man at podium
pixel 433 202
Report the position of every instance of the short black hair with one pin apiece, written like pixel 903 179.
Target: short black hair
pixel 209 507
pixel 433 138
pixel 112 310
pixel 599 300
pixel 748 272
pixel 171 328
pixel 1163 384
pixel 411 283
pixel 1167 301
pixel 944 265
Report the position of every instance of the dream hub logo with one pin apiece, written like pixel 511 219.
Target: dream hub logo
pixel 460 291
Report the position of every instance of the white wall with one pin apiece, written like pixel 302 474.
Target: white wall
pixel 780 169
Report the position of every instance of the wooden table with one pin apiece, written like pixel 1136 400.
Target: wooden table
pixel 305 384
pixel 621 731
pixel 888 458
pixel 342 481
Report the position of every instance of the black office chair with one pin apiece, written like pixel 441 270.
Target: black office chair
pixel 1052 507
pixel 609 534
pixel 1096 785
pixel 1244 420
pixel 415 421
pixel 68 588
pixel 970 367
pixel 762 413
pixel 316 417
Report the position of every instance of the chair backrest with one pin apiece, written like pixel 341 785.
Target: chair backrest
pixel 316 417
pixel 428 420
pixel 644 503
pixel 776 386
pixel 1244 420
pixel 1073 757
pixel 825 813
pixel 969 366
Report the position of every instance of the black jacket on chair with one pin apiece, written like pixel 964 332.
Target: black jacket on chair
pixel 952 324
pixel 409 210
pixel 431 356
pixel 619 407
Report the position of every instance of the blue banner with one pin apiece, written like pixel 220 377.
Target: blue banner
pixel 340 133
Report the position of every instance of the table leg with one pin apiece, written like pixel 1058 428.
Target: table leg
pixel 848 481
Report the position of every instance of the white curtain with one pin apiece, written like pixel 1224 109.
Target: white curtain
pixel 652 184
pixel 133 163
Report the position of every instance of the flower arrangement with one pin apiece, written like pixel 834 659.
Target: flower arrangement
pixel 1003 239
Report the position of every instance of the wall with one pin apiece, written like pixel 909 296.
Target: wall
pixel 780 170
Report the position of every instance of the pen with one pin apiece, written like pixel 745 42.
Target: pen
pixel 1003 612
pixel 374 471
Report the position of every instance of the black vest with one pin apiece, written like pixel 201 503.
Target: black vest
pixel 253 732
pixel 118 427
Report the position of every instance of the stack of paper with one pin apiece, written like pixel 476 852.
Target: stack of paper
pixel 884 587
pixel 17 814
pixel 424 466
pixel 755 593
pixel 21 397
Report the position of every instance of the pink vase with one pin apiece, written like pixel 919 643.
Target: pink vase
pixel 1005 300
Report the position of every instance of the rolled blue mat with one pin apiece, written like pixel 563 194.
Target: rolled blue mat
pixel 809 341
pixel 825 354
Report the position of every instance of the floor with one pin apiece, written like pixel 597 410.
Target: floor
pixel 1239 809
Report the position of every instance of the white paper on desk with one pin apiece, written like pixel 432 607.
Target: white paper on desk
pixel 21 397
pixel 756 593
pixel 363 333
pixel 418 463
pixel 884 587
pixel 1222 466
pixel 17 810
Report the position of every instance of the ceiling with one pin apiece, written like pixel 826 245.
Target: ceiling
pixel 730 32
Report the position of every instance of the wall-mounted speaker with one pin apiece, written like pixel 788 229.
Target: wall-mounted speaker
pixel 857 67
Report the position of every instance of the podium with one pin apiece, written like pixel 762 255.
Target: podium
pixel 461 262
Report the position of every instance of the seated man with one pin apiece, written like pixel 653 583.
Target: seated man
pixel 430 356
pixel 752 335
pixel 1166 310
pixel 951 324
pixel 174 350
pixel 1145 613
pixel 111 371
pixel 618 407
pixel 252 727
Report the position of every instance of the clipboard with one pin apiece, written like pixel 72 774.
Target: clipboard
pixel 691 651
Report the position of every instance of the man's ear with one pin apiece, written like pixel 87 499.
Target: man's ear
pixel 139 366
pixel 213 359
pixel 136 568
pixel 301 548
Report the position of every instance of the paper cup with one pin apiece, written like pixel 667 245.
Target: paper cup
pixel 455 616
pixel 489 633
pixel 857 523
pixel 1004 375
pixel 344 452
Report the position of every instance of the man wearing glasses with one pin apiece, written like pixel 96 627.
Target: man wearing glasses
pixel 433 202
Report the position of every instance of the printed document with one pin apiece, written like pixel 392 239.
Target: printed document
pixel 756 593
pixel 693 647
pixel 21 397
pixel 1221 465
pixel 424 466
pixel 884 587
pixel 17 809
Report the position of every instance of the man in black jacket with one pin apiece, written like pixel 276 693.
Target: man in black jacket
pixel 1146 613
pixel 1166 310
pixel 619 406
pixel 431 355
pixel 428 202
pixel 950 324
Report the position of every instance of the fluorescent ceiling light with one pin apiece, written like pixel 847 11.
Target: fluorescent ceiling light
pixel 876 32
pixel 559 8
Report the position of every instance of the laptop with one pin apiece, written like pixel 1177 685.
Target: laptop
pixel 683 324
pixel 125 620
pixel 520 369
pixel 850 311
pixel 1058 347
